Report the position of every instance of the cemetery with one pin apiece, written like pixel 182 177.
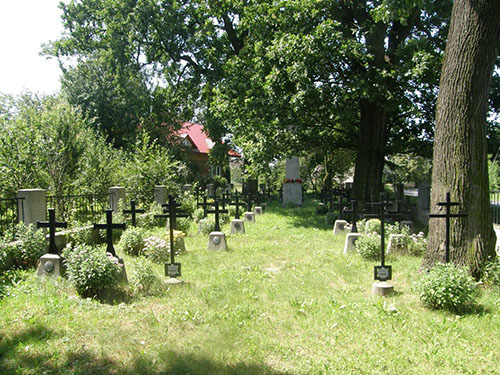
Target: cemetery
pixel 306 187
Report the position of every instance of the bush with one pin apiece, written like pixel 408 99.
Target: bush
pixel 30 245
pixel 447 286
pixel 183 224
pixel 143 280
pixel 91 270
pixel 321 209
pixel 198 215
pixel 417 244
pixel 372 226
pixel 368 246
pixel 156 249
pixel 207 226
pixel 81 235
pixel 148 220
pixel 132 240
pixel 491 272
pixel 232 211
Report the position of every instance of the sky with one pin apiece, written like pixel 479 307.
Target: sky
pixel 24 26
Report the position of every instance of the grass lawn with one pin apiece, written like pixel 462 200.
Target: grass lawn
pixel 283 300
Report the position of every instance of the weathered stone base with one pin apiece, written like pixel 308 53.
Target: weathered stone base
pixel 217 241
pixel 50 265
pixel 350 241
pixel 382 288
pixel 257 210
pixel 237 226
pixel 200 224
pixel 249 217
pixel 174 281
pixel 340 227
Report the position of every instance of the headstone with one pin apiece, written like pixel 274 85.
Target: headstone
pixel 33 206
pixel 292 186
pixel 237 226
pixel 217 241
pixel 187 188
pixel 249 217
pixel 50 265
pixel 258 210
pixel 116 194
pixel 160 194
pixel 350 242
pixel 423 202
pixel 340 227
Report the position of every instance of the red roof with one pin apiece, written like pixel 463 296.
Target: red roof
pixel 196 135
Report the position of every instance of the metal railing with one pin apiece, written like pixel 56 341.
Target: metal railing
pixel 11 212
pixel 79 208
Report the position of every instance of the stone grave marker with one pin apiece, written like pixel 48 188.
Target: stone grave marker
pixel 51 263
pixel 217 238
pixel 354 235
pixel 292 187
pixel 237 225
pixel 249 215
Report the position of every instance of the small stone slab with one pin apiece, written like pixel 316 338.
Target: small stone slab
pixel 382 288
pixel 249 217
pixel 237 226
pixel 174 281
pixel 50 265
pixel 272 269
pixel 258 210
pixel 340 227
pixel 398 244
pixel 350 242
pixel 217 241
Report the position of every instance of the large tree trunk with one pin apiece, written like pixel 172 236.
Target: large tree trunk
pixel 460 160
pixel 371 151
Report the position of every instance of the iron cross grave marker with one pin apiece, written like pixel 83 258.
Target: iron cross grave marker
pixel 52 225
pixel 109 226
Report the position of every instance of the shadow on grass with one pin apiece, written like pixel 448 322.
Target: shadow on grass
pixel 305 216
pixel 15 360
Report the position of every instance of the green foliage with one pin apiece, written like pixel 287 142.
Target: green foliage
pixel 198 215
pixel 321 209
pixel 491 272
pixel 207 225
pixel 447 286
pixel 143 280
pixel 157 249
pixel 183 224
pixel 92 271
pixel 82 234
pixel 149 165
pixel 132 240
pixel 148 219
pixel 371 226
pixel 368 246
pixel 417 244
pixel 28 246
pixel 232 211
pixel 494 174
pixel 408 169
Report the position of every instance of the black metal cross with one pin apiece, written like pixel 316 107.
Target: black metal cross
pixel 448 215
pixel 109 226
pixel 172 269
pixel 52 225
pixel 354 215
pixel 236 203
pixel 204 205
pixel 249 202
pixel 217 212
pixel 133 211
pixel 382 272
pixel 339 204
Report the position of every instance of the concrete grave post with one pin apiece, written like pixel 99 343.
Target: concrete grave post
pixel 160 194
pixel 423 202
pixel 117 194
pixel 33 206
pixel 292 190
pixel 211 190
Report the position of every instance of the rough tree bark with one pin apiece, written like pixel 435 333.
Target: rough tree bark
pixel 460 159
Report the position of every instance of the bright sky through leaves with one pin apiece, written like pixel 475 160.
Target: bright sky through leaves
pixel 24 26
